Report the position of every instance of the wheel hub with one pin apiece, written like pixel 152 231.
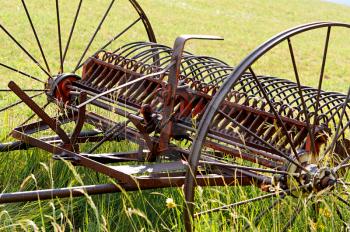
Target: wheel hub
pixel 59 86
pixel 316 178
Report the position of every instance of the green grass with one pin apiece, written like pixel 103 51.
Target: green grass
pixel 243 24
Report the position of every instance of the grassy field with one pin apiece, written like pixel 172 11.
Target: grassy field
pixel 243 24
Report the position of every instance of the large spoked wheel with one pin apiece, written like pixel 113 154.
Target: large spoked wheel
pixel 281 120
pixel 41 45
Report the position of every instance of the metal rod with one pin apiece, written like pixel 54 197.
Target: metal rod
pixel 296 74
pixel 72 31
pixel 57 193
pixel 36 36
pixel 24 50
pixel 113 39
pixel 59 35
pixel 325 50
pixel 94 35
pixel 20 72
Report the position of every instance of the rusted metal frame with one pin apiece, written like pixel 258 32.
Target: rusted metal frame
pixel 256 179
pixel 241 154
pixel 137 121
pixel 169 101
pixel 125 78
pixel 116 157
pixel 101 76
pixel 147 183
pixel 88 68
pixel 120 102
pixel 107 78
pixel 52 123
pixel 201 180
pixel 114 132
pixel 250 85
pixel 265 114
pixel 88 78
pixel 133 118
pixel 142 48
pixel 138 94
pixel 124 85
pixel 152 95
pixel 136 88
pixel 118 78
pixel 189 105
pixel 42 125
pixel 91 81
pixel 161 61
pixel 235 166
pixel 258 149
pixel 255 136
pixel 80 159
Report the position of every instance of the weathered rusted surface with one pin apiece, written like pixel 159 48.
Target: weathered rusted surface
pixel 196 121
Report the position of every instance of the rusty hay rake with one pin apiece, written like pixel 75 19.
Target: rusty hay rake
pixel 196 120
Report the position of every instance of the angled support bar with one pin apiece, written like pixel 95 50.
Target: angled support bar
pixel 174 74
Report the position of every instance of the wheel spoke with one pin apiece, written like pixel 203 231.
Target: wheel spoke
pixel 59 35
pixel 280 122
pixel 23 49
pixel 71 31
pixel 18 102
pixel 292 219
pixel 20 72
pixel 33 115
pixel 36 35
pixel 234 166
pixel 340 215
pixel 94 35
pixel 258 218
pixel 114 131
pixel 225 207
pixel 325 50
pixel 112 40
pixel 296 74
pixel 342 200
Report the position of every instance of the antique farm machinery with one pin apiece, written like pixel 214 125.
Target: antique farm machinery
pixel 196 120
